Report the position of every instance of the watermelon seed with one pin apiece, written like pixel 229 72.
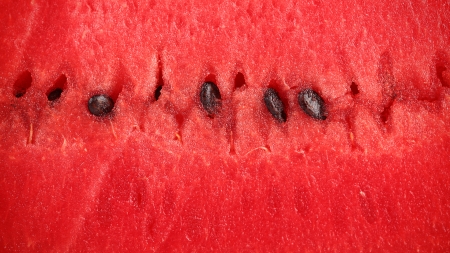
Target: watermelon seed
pixel 22 84
pixel 312 104
pixel 100 105
pixel 210 98
pixel 55 94
pixel 274 105
pixel 239 81
pixel 58 87
pixel 354 88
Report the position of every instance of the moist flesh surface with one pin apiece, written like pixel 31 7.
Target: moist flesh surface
pixel 158 173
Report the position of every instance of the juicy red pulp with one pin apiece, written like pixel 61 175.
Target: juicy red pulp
pixel 159 173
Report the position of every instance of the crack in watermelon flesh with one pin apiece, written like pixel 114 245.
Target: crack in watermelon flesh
pixel 158 174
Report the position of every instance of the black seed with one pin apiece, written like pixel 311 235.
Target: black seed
pixel 210 97
pixel 100 105
pixel 274 105
pixel 55 94
pixel 312 104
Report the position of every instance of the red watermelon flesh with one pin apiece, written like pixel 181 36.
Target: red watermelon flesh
pixel 160 175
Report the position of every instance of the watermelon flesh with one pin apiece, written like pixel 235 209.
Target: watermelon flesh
pixel 160 175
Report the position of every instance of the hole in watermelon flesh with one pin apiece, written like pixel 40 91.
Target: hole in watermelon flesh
pixel 22 84
pixel 354 88
pixel 442 71
pixel 55 94
pixel 274 84
pixel 384 116
pixel 160 82
pixel 180 119
pixel 443 75
pixel 239 81
pixel 158 92
pixel 58 87
pixel 210 78
pixel 280 88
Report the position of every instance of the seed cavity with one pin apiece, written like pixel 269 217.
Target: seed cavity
pixel 386 113
pixel 158 92
pixel 55 94
pixel 210 98
pixel 442 68
pixel 100 105
pixel 312 104
pixel 239 80
pixel 354 88
pixel 160 80
pixel 57 89
pixel 22 84
pixel 274 105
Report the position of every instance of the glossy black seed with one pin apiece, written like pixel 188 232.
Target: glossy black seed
pixel 210 97
pixel 55 94
pixel 312 104
pixel 274 105
pixel 100 105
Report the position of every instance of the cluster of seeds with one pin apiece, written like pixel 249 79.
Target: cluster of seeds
pixel 310 102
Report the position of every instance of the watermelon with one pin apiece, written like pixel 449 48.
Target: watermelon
pixel 235 126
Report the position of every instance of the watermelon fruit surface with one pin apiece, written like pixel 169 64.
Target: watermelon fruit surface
pixel 162 172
